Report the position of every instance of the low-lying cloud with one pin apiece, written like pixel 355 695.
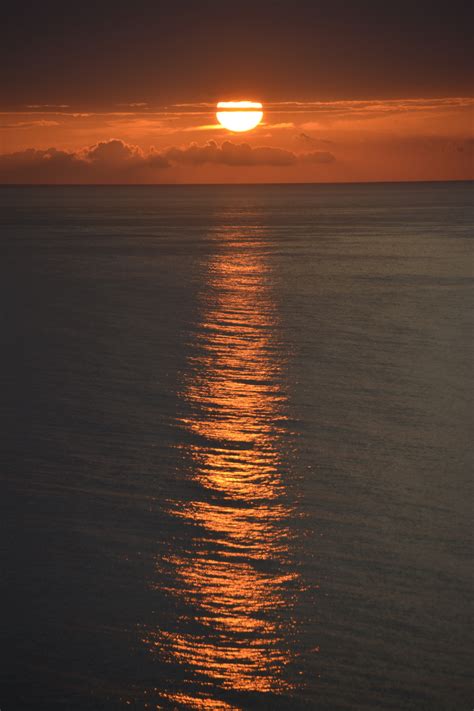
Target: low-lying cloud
pixel 118 162
pixel 230 154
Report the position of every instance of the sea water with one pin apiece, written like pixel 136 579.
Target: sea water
pixel 235 426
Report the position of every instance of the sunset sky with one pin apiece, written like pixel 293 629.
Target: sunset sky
pixel 126 92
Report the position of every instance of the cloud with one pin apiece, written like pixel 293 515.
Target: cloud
pixel 231 154
pixel 42 123
pixel 200 127
pixel 287 124
pixel 110 161
pixel 374 105
pixel 36 166
pixel 115 161
pixel 318 157
pixel 48 106
pixel 349 108
pixel 135 105
pixel 125 158
pixel 305 139
pixel 310 141
pixel 112 152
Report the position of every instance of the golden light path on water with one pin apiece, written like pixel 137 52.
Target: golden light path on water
pixel 235 579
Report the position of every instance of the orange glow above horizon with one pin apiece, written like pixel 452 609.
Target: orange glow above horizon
pixel 356 141
pixel 239 116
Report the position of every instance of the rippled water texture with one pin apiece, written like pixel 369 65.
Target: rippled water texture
pixel 234 577
pixel 236 436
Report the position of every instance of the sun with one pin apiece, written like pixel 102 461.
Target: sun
pixel 239 116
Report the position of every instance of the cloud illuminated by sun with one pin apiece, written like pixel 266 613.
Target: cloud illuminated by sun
pixel 239 116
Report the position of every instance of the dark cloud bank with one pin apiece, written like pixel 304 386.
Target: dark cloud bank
pixel 114 161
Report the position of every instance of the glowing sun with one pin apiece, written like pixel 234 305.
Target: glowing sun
pixel 239 116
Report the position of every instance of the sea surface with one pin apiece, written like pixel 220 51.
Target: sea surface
pixel 235 431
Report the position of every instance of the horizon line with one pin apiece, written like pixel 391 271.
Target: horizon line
pixel 199 185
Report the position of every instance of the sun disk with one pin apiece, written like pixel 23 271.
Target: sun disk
pixel 239 116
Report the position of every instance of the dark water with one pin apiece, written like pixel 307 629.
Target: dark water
pixel 235 426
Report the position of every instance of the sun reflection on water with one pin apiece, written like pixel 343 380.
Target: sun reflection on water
pixel 234 582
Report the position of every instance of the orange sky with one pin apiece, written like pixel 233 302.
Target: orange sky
pixel 113 91
pixel 328 141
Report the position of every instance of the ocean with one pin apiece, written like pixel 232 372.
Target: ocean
pixel 235 447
